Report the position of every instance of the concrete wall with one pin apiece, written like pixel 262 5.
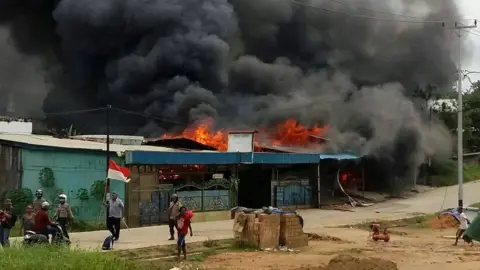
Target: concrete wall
pixel 73 171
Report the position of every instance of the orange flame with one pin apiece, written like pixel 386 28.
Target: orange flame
pixel 291 133
pixel 204 134
pixel 288 133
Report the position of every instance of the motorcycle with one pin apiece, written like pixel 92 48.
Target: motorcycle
pixel 31 238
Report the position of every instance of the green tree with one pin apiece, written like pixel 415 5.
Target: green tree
pixel 471 118
pixel 20 198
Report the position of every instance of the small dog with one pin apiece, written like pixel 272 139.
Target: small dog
pixel 377 235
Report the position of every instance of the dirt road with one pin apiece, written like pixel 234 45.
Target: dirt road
pixel 315 219
pixel 414 249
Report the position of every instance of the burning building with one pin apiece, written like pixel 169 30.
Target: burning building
pixel 246 64
pixel 219 169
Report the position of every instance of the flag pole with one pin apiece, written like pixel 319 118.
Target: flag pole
pixel 107 181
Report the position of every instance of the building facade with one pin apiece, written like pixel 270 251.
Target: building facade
pixel 209 182
pixel 78 174
pixel 72 166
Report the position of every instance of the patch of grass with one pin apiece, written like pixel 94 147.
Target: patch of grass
pixel 239 246
pixel 417 222
pixel 202 256
pixel 210 243
pixel 446 173
pixel 477 204
pixel 53 257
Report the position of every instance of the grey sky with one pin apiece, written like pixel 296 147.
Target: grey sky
pixel 471 9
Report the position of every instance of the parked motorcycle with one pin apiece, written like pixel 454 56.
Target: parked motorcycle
pixel 31 238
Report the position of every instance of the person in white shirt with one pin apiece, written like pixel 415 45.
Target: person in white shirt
pixel 464 221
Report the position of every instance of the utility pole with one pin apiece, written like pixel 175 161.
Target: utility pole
pixel 460 27
pixel 107 155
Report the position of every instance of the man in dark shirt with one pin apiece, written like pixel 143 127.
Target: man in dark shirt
pixel 43 222
pixel 7 221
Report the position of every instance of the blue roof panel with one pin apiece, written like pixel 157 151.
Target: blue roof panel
pixel 223 158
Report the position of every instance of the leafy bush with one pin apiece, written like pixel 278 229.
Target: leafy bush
pixel 97 190
pixel 46 178
pixel 20 198
pixel 82 195
pixel 444 173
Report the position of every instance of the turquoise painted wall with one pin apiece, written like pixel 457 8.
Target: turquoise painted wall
pixel 72 171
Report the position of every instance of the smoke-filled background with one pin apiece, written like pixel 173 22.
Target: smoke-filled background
pixel 246 63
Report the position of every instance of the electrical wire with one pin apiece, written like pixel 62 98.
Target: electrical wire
pixel 386 13
pixel 364 16
pixel 472 33
pixel 147 116
pixel 444 198
pixel 76 112
pixel 475 30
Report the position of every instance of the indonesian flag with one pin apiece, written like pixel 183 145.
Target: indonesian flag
pixel 117 172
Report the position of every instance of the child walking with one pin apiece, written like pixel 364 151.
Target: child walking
pixel 183 225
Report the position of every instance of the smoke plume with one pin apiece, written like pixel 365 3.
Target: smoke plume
pixel 246 63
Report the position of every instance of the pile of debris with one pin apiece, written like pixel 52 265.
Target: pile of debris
pixel 347 262
pixel 269 231
pixel 444 221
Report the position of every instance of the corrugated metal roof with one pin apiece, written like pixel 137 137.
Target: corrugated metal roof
pixel 49 141
pixel 197 158
pixel 114 139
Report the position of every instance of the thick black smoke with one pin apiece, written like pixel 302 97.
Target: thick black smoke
pixel 247 63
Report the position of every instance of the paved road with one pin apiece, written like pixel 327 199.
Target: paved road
pixel 315 219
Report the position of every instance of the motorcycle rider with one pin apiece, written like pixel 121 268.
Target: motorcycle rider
pixel 37 204
pixel 43 223
pixel 63 213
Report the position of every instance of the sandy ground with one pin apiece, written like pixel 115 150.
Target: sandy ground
pixel 315 219
pixel 414 249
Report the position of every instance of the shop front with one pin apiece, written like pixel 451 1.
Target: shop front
pixel 201 188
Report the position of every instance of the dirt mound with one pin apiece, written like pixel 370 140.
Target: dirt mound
pixel 444 221
pixel 347 262
pixel 324 237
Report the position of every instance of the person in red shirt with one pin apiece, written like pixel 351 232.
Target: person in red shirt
pixel 43 222
pixel 183 224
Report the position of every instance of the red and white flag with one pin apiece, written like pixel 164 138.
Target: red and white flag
pixel 117 172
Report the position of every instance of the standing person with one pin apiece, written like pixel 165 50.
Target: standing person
pixel 115 215
pixel 7 222
pixel 173 211
pixel 37 204
pixel 28 220
pixel 63 214
pixel 464 221
pixel 183 224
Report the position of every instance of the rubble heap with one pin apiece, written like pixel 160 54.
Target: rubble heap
pixel 291 232
pixel 268 231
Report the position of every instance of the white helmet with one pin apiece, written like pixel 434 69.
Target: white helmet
pixel 62 196
pixel 45 204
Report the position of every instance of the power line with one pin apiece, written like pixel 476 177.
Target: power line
pixel 387 13
pixel 76 112
pixel 149 116
pixel 476 31
pixel 472 33
pixel 364 16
